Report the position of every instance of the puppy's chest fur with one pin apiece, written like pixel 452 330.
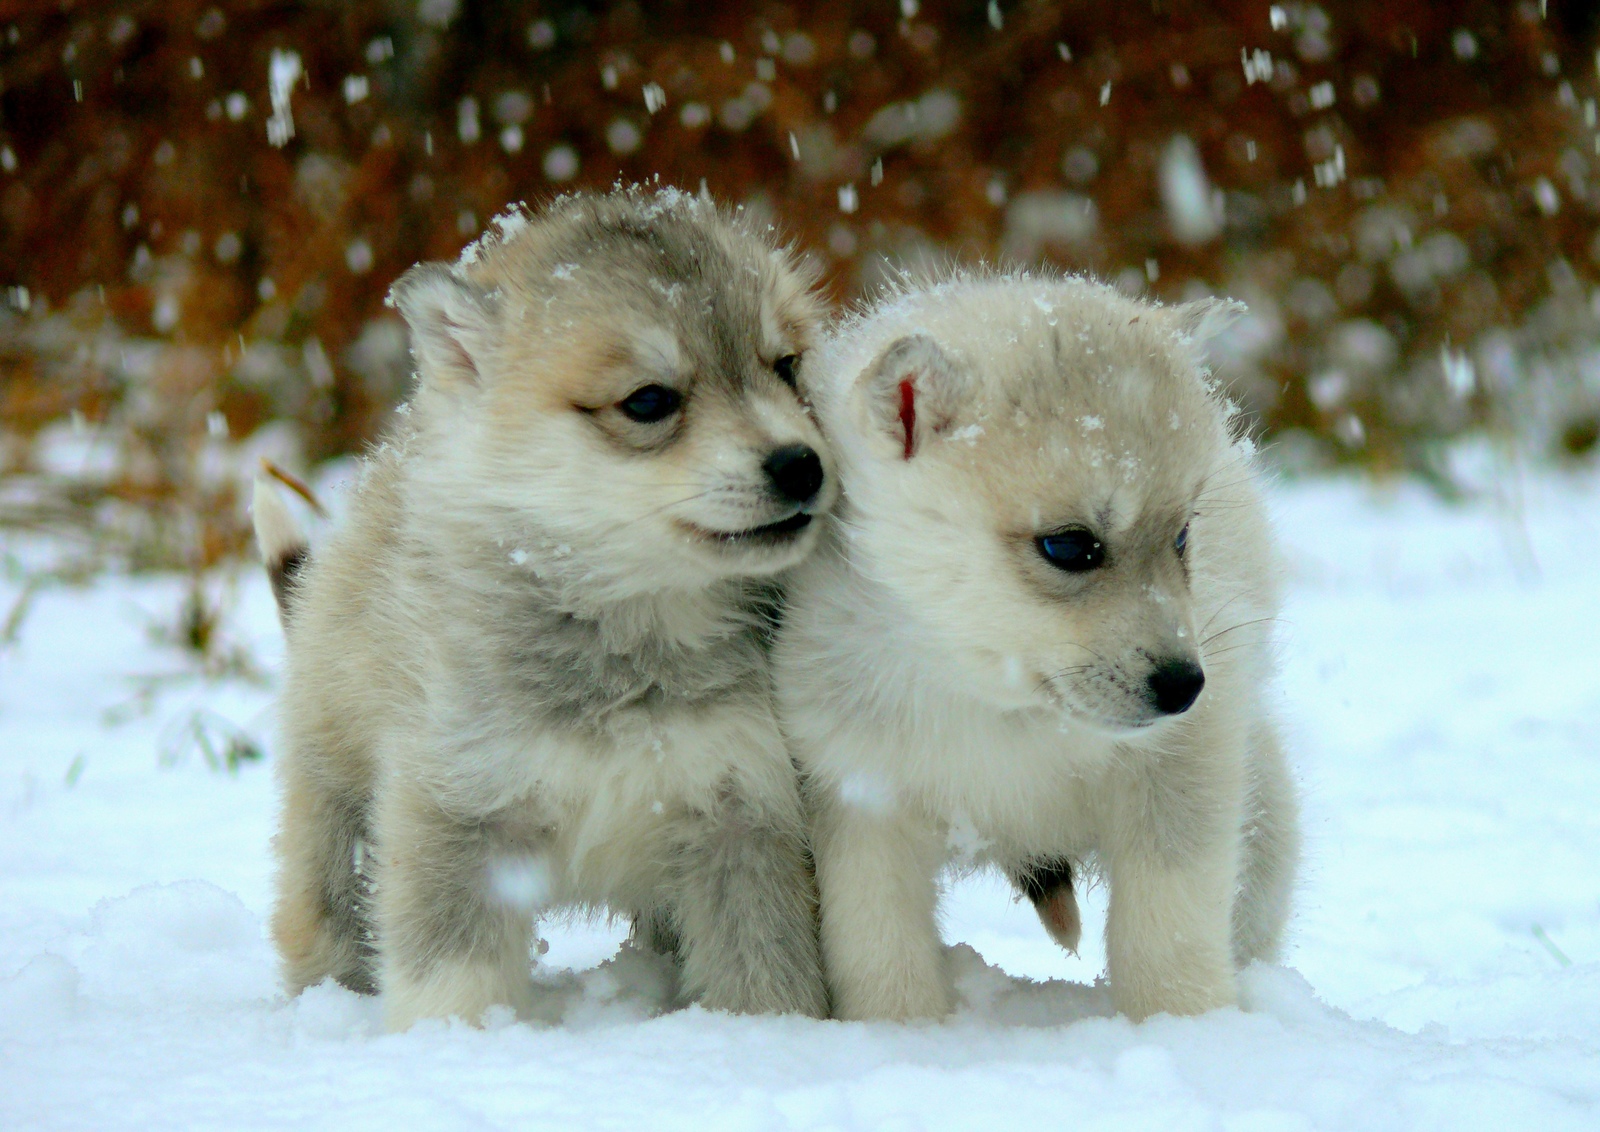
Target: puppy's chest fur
pixel 1016 779
pixel 642 700
pixel 574 672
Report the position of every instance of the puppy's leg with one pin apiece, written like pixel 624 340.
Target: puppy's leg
pixel 653 930
pixel 879 901
pixel 1048 885
pixel 452 942
pixel 319 917
pixel 745 908
pixel 1172 856
pixel 1269 853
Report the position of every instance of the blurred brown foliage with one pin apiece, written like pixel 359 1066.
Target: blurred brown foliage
pixel 1404 191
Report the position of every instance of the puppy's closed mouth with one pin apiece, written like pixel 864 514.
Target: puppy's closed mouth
pixel 769 534
pixel 1112 727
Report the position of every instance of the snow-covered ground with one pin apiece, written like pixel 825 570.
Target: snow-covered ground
pixel 1442 689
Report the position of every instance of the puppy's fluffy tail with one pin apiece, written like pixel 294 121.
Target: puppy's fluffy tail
pixel 283 545
pixel 1048 884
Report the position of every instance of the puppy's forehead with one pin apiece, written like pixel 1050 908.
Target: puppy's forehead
pixel 1122 508
pixel 665 288
pixel 728 283
pixel 1106 456
pixel 656 347
pixel 1126 470
pixel 773 333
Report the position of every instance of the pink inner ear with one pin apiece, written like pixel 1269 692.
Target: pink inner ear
pixel 908 413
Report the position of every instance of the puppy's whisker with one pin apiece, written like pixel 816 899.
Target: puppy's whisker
pixel 1221 487
pixel 1062 674
pixel 623 524
pixel 1240 625
pixel 649 481
pixel 705 493
pixel 1212 654
pixel 1220 610
pixel 1091 652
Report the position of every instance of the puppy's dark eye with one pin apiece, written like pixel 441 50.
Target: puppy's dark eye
pixel 1181 543
pixel 788 368
pixel 650 403
pixel 1074 550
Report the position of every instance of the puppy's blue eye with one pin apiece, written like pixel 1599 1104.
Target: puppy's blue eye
pixel 650 403
pixel 788 368
pixel 1074 550
pixel 1181 543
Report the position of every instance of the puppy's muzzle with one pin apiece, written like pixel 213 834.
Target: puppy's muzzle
pixel 795 473
pixel 1175 685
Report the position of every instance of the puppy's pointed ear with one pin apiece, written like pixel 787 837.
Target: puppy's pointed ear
pixel 451 323
pixel 1203 319
pixel 911 392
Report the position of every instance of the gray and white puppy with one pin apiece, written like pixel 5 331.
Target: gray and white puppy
pixel 1038 638
pixel 530 671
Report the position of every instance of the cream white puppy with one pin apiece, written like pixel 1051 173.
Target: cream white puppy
pixel 1039 638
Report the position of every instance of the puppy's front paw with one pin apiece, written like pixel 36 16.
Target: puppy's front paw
pixel 1179 992
pixel 454 989
pixel 902 995
pixel 797 994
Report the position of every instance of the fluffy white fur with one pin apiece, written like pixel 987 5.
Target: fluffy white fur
pixel 530 670
pixel 954 697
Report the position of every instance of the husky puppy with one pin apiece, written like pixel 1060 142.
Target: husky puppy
pixel 1037 638
pixel 531 669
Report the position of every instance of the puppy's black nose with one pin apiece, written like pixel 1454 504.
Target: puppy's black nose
pixel 796 471
pixel 1175 685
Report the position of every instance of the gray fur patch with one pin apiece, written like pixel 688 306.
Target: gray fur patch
pixel 745 913
pixel 346 896
pixel 565 672
pixel 282 572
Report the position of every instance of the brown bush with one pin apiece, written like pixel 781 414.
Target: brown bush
pixel 1404 191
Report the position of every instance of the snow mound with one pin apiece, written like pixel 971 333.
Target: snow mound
pixel 1441 690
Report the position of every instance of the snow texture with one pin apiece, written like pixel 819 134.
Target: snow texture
pixel 1185 192
pixel 1442 692
pixel 283 71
